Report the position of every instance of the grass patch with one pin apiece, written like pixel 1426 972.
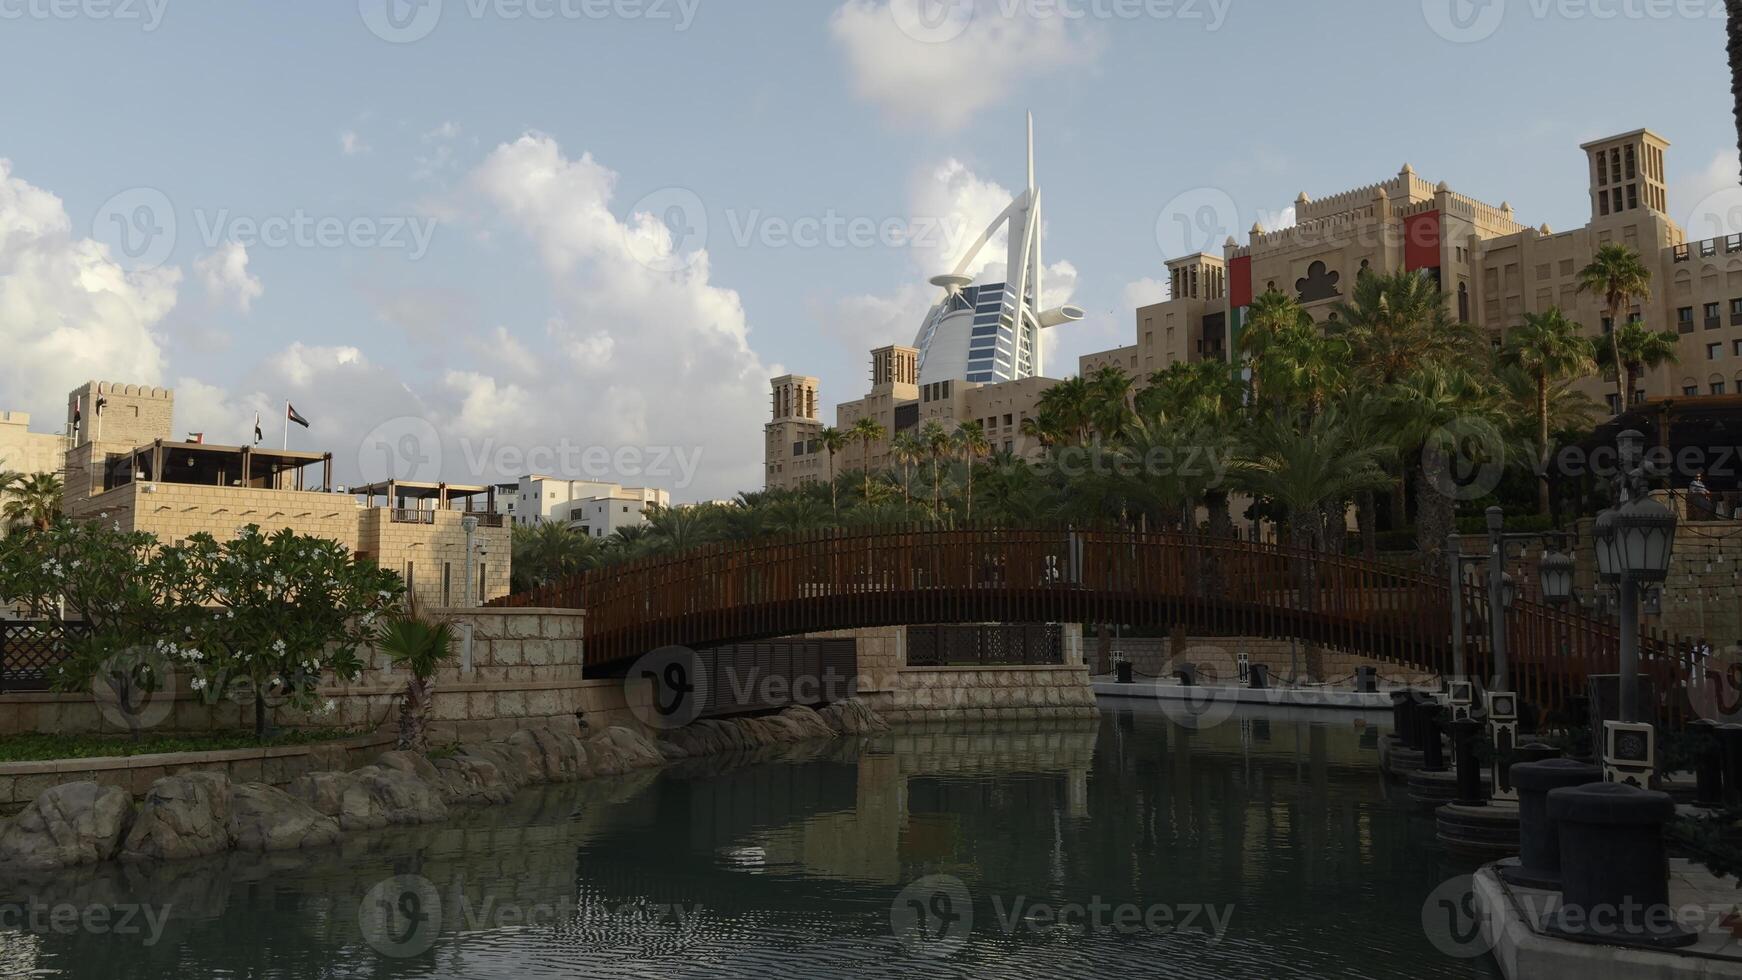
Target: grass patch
pixel 42 748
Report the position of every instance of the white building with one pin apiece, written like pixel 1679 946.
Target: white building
pixel 990 332
pixel 594 508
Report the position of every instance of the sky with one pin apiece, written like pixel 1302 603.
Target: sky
pixel 471 239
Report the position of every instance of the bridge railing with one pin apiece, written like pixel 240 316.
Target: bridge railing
pixel 741 591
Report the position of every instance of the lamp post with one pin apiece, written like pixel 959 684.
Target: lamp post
pixel 470 524
pixel 1634 541
pixel 1498 597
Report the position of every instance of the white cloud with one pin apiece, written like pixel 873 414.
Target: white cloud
pixel 945 76
pixel 681 372
pixel 300 363
pixel 68 312
pixel 1143 292
pixel 225 275
pixel 1708 202
pixel 352 144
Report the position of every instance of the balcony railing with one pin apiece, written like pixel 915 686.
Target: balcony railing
pixel 405 516
pixel 486 519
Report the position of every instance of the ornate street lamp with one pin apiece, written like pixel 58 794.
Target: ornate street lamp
pixel 1508 590
pixel 1556 574
pixel 1603 543
pixel 1644 539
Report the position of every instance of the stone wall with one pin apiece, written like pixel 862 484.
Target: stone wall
pixel 514 668
pixel 21 782
pixel 1216 658
pixel 905 695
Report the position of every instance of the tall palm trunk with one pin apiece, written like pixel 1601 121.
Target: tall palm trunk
pixel 1433 511
pixel 1622 381
pixel 969 501
pixel 1543 502
pixel 1735 9
pixel 1366 513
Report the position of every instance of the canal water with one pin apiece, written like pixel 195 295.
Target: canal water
pixel 1253 847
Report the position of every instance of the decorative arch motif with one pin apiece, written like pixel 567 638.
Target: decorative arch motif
pixel 1319 283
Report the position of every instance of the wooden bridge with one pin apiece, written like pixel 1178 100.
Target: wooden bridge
pixel 745 591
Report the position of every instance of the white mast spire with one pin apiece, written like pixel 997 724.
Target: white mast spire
pixel 1031 149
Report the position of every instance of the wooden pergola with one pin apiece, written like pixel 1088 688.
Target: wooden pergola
pixel 203 464
pixel 397 494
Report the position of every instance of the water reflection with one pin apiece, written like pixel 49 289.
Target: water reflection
pixel 794 861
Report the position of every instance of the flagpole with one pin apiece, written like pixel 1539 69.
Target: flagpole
pixel 287 425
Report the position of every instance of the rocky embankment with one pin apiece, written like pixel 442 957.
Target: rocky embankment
pixel 195 814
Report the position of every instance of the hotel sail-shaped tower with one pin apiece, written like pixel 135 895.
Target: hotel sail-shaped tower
pixel 990 332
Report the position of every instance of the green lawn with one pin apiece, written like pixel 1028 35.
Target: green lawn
pixel 38 748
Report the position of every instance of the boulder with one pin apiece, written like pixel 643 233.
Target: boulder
pixel 512 765
pixel 69 824
pixel 671 751
pixel 807 721
pixel 472 780
pixel 371 798
pixel 601 757
pixel 183 816
pixel 413 763
pixel 853 717
pixel 264 818
pixel 553 757
pixel 635 747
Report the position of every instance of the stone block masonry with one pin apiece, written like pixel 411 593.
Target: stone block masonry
pixel 1217 659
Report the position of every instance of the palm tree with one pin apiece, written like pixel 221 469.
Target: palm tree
pixel 1550 349
pixel 936 440
pixel 1269 316
pixel 1734 8
pixel 867 431
pixel 1637 349
pixel 1430 405
pixel 1301 467
pixel 1067 409
pixel 1301 368
pixel 1617 273
pixel 972 443
pixel 834 440
pixel 33 502
pixel 683 528
pixel 1396 323
pixel 908 450
pixel 1109 406
pixel 422 645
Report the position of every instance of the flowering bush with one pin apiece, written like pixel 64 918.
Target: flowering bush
pixel 280 611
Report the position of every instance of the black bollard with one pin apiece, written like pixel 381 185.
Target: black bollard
pixel 1464 734
pixel 1708 765
pixel 1122 670
pixel 1187 674
pixel 1730 739
pixel 1539 841
pixel 1399 703
pixel 1258 676
pixel 1433 756
pixel 1614 869
pixel 1367 680
pixel 1411 731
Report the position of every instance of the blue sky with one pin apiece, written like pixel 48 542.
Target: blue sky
pixel 483 291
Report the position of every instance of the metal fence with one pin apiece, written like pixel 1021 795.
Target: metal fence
pixel 29 652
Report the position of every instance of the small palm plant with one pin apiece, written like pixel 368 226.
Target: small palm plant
pixel 422 645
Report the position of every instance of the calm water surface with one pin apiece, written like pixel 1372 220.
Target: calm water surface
pixel 1256 848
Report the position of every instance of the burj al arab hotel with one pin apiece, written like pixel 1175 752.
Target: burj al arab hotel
pixel 990 332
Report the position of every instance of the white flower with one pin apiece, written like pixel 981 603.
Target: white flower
pixel 331 705
pixel 198 683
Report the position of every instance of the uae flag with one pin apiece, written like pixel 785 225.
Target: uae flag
pixel 258 435
pixel 293 415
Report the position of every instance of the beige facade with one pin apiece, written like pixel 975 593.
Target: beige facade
pixel 898 403
pixel 26 452
pixel 126 467
pixel 1494 269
